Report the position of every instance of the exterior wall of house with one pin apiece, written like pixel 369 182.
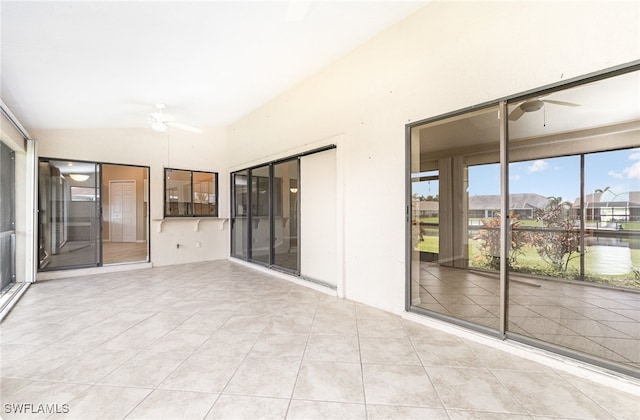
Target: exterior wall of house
pixel 145 147
pixel 445 57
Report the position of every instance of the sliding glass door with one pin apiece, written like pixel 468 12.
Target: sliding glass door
pixel 91 214
pixel 265 215
pixel 533 233
pixel 69 217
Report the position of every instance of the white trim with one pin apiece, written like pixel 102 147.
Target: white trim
pixel 11 297
pixel 112 268
pixel 288 277
pixel 31 204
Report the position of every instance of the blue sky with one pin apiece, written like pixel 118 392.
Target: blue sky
pixel 560 177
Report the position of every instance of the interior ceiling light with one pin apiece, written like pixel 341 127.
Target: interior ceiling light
pixel 79 177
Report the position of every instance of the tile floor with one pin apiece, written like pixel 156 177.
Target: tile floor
pixel 218 340
pixel 603 322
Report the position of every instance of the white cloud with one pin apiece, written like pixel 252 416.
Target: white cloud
pixel 514 178
pixel 633 171
pixel 616 175
pixel 537 166
pixel 634 156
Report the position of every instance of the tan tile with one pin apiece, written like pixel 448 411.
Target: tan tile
pixel 202 373
pixel 330 381
pixel 228 343
pixel 446 353
pixel 473 389
pixel 90 366
pixel 320 410
pixel 399 385
pixel 162 404
pixel 103 402
pixel 333 348
pixel 241 407
pixel 334 325
pixel 388 351
pixel 384 327
pixel 549 394
pixel 387 412
pixel 34 397
pixel 146 369
pixel 264 378
pixel 281 346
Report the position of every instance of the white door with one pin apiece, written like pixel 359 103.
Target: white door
pixel 122 211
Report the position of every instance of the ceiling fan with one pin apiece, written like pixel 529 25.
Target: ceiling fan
pixel 160 121
pixel 535 104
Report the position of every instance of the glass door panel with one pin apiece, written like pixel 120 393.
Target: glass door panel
pixel 260 192
pixel 443 155
pixel 69 217
pixel 575 282
pixel 612 218
pixel 239 214
pixel 7 216
pixel 125 214
pixel 285 215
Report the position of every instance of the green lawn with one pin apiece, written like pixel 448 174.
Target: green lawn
pixel 530 262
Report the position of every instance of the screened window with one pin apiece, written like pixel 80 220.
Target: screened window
pixel 190 193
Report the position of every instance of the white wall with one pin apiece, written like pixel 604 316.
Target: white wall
pixel 318 227
pixel 145 147
pixel 447 56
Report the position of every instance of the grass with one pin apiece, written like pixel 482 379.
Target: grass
pixel 530 262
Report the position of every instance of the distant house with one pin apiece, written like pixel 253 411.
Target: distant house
pixel 524 205
pixel 625 208
pixel 426 208
pixel 487 206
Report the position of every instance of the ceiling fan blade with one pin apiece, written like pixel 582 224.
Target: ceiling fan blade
pixel 563 103
pixel 183 127
pixel 516 113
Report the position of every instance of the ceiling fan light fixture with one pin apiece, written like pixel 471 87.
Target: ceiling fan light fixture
pixel 532 106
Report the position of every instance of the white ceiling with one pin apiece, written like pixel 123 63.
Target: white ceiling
pixel 83 64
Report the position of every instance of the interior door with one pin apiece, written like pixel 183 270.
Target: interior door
pixel 122 211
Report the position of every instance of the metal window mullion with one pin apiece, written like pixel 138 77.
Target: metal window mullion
pixel 583 213
pixel 505 223
pixel 298 215
pixel 271 216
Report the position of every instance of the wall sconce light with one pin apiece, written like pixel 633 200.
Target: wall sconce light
pixel 293 189
pixel 79 177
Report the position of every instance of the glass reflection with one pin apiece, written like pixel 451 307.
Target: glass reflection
pixel 69 226
pixel 285 219
pixel 575 283
pixel 239 246
pixel 260 215
pixel 449 180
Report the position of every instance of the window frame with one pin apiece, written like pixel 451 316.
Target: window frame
pixel 191 203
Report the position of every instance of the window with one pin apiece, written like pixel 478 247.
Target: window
pixel 525 218
pixel 190 193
